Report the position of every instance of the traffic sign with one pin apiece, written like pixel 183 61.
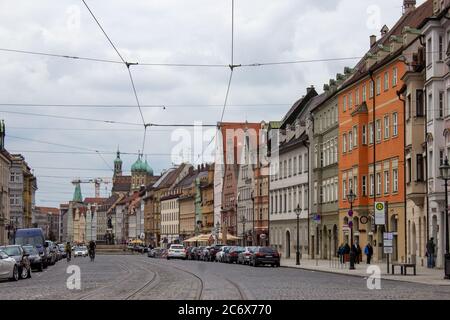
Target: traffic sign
pixel 350 213
pixel 380 213
pixel 388 250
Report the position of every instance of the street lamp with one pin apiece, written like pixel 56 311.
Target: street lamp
pixel 297 255
pixel 445 175
pixel 351 198
pixel 243 221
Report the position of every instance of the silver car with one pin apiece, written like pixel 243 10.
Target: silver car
pixel 8 267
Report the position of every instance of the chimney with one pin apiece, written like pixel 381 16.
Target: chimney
pixel 409 5
pixel 373 39
pixel 384 30
pixel 308 90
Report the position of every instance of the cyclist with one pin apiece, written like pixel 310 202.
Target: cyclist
pixel 68 251
pixel 92 246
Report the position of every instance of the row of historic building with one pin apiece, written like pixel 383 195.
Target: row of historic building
pixel 18 187
pixel 378 130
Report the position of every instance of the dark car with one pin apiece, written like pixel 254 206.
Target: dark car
pixel 34 237
pixel 21 257
pixel 34 257
pixel 233 253
pixel 265 255
pixel 213 251
pixel 191 253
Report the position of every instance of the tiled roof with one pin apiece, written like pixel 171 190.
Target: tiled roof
pixel 95 200
pixel 48 210
pixel 298 107
pixel 411 19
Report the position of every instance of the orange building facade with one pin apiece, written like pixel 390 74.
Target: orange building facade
pixel 371 157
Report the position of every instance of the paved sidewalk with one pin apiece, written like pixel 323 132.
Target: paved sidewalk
pixel 424 275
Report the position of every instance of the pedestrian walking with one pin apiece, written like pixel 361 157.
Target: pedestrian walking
pixel 340 253
pixel 368 251
pixel 431 247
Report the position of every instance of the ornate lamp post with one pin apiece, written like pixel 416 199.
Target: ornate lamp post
pixel 445 175
pixel 297 255
pixel 243 221
pixel 351 198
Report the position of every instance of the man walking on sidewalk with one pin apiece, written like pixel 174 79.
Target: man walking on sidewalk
pixel 368 251
pixel 430 253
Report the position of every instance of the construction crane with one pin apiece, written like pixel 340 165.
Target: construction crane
pixel 96 181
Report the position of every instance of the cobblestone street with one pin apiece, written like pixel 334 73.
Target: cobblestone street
pixel 139 277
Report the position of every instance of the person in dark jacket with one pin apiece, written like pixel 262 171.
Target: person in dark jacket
pixel 356 249
pixel 431 248
pixel 368 251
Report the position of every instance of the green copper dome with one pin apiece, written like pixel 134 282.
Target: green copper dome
pixel 148 168
pixel 118 160
pixel 140 166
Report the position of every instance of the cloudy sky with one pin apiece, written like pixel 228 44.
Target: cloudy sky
pixel 157 31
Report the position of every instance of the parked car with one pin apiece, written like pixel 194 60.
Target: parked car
pixel 220 255
pixel 232 256
pixel 8 267
pixel 154 253
pixel 198 253
pixel 34 257
pixel 62 250
pixel 265 255
pixel 190 252
pixel 176 251
pixel 17 253
pixel 34 237
pixel 204 254
pixel 244 256
pixel 226 253
pixel 52 255
pixel 213 251
pixel 80 251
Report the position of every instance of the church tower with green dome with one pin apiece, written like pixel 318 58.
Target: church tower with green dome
pixel 140 172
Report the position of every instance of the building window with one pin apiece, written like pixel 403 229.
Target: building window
pixel 350 184
pixel 300 164
pixel 344 189
pixel 364 135
pixel 448 102
pixel 370 133
pixel 408 170
pixel 441 104
pixel 344 143
pixel 350 141
pixel 419 167
pixel 295 166
pixel 378 129
pixel 350 100
pixel 372 184
pixel 364 93
pixel 395 180
pixel 364 186
pixel 357 97
pixel 395 124
pixel 430 105
pixel 419 103
pixel 386 81
pixel 371 89
pixel 355 185
pixel 441 47
pixel 441 157
pixel 386 127
pixel 386 182
pixel 378 183
pixel 394 76
pixel 378 88
pixel 290 168
pixel 429 52
pixel 344 103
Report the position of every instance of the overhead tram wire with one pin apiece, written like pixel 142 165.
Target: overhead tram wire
pixel 165 106
pixel 127 65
